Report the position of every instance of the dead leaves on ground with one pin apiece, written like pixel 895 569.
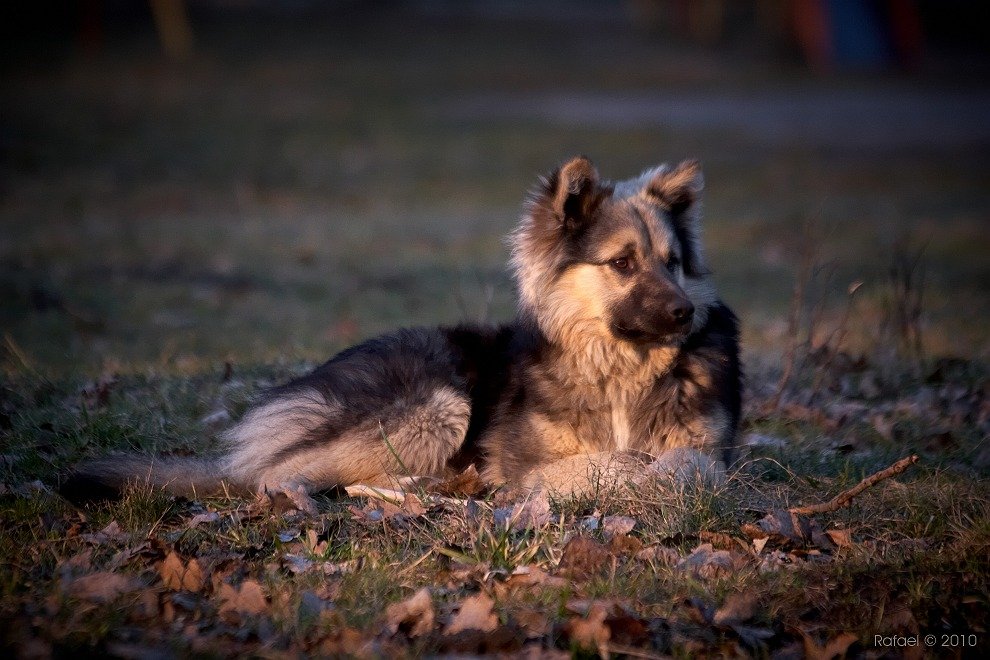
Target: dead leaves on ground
pixel 179 575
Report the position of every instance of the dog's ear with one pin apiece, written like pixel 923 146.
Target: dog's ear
pixel 677 190
pixel 573 193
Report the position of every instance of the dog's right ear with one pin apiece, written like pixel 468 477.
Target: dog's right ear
pixel 573 193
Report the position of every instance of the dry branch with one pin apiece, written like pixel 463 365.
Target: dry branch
pixel 846 496
pixel 395 495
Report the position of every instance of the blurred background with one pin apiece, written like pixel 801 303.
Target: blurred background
pixel 189 183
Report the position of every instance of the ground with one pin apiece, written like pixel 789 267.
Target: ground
pixel 176 236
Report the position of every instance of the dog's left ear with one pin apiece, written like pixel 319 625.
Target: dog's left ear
pixel 677 190
pixel 574 193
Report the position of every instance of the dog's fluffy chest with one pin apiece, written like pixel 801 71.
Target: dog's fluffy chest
pixel 620 427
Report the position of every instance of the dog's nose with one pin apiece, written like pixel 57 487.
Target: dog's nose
pixel 681 310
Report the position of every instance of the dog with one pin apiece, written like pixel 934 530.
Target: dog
pixel 620 348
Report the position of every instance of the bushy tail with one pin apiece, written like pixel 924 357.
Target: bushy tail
pixel 105 478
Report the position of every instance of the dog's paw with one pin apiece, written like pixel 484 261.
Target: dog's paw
pixel 288 496
pixel 683 466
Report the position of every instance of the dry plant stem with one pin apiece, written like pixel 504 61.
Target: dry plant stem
pixel 384 494
pixel 845 497
pixel 393 496
pixel 798 294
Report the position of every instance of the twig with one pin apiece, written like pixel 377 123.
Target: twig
pixel 846 496
pixel 395 496
pixel 385 494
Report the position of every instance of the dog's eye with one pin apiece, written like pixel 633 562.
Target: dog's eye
pixel 673 262
pixel 622 264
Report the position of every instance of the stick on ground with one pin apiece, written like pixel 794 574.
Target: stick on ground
pixel 846 496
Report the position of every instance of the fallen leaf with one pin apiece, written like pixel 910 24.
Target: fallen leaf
pixel 412 506
pixel 102 587
pixel 590 632
pixel 614 525
pixel 533 576
pixel 475 614
pixel 705 561
pixel 533 512
pixel 534 622
pixel 179 576
pixel 201 518
pixel 841 537
pixel 584 555
pixel 778 559
pixel 109 534
pixel 737 608
pixel 834 648
pixel 659 554
pixel 296 563
pixel 623 545
pixel 787 528
pixel 466 483
pixel 341 567
pixel 759 544
pixel 345 642
pixel 719 540
pixel 625 627
pixel 414 616
pixel 247 600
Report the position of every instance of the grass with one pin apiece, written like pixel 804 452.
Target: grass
pixel 201 231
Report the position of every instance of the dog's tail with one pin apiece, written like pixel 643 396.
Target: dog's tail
pixel 106 478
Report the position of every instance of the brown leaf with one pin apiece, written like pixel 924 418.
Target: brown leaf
pixel 759 544
pixel 614 525
pixel 466 483
pixel 786 528
pixel 344 642
pixel 102 587
pixel 834 648
pixel 414 616
pixel 534 622
pixel 533 512
pixel 180 576
pixel 623 545
pixel 109 534
pixel 533 576
pixel 583 556
pixel 412 506
pixel 247 600
pixel 475 614
pixel 659 554
pixel 590 632
pixel 705 561
pixel 841 537
pixel 737 608
pixel 719 540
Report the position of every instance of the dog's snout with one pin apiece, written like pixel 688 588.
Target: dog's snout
pixel 681 311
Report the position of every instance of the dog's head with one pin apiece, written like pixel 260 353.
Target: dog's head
pixel 621 260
